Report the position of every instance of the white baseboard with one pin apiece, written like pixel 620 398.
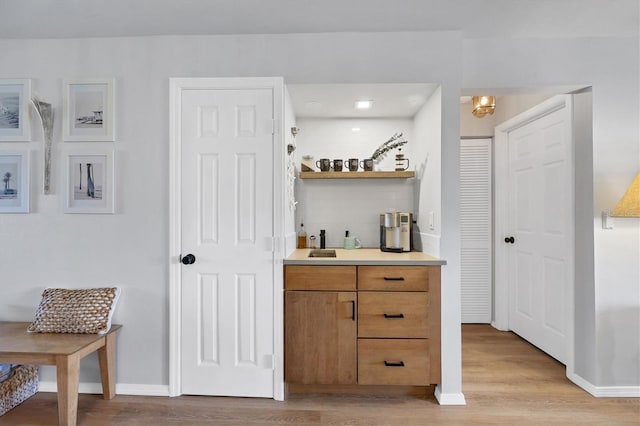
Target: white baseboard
pixel 121 389
pixel 449 398
pixel 605 391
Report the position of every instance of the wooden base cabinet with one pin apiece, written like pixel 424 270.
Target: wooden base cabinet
pixel 362 325
pixel 320 337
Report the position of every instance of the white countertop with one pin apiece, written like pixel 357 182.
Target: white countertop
pixel 363 256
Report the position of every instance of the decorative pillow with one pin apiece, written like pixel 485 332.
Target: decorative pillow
pixel 85 311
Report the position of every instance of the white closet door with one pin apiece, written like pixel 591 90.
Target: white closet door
pixel 475 230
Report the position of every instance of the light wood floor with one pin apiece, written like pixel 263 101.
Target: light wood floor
pixel 506 381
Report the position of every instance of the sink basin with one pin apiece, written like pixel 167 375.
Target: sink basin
pixel 322 253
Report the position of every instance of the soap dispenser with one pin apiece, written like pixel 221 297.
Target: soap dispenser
pixel 323 243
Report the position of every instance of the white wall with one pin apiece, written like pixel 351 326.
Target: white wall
pixel 615 156
pixel 471 126
pixel 130 248
pixel 354 205
pixel 290 162
pixel 507 106
pixel 428 131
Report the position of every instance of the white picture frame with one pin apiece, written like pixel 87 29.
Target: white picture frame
pixel 90 182
pixel 15 97
pixel 14 181
pixel 88 110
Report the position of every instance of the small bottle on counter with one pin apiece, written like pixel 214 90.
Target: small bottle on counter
pixel 302 237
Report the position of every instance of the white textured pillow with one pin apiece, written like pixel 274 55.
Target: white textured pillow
pixel 85 311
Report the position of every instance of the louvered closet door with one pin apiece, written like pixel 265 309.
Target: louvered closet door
pixel 475 230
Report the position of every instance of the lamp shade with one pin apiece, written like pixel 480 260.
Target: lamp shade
pixel 629 205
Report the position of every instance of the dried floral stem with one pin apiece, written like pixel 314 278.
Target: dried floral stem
pixel 45 112
pixel 396 141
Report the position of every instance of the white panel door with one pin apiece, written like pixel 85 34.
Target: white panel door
pixel 476 230
pixel 227 225
pixel 541 208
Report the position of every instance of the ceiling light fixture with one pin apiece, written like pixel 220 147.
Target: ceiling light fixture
pixel 355 129
pixel 364 104
pixel 483 105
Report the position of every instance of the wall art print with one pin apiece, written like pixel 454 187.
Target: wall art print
pixel 14 181
pixel 15 96
pixel 90 183
pixel 88 110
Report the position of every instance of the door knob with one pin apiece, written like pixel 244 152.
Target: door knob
pixel 510 240
pixel 188 259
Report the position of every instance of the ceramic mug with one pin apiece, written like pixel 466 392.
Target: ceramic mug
pixel 352 164
pixel 324 164
pixel 337 165
pixel 351 243
pixel 367 164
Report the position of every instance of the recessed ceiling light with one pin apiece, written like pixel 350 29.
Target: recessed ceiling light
pixel 363 104
pixel 355 129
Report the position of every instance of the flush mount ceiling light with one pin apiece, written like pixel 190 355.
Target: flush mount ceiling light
pixel 364 104
pixel 483 105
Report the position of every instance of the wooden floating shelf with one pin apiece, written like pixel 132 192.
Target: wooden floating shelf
pixel 357 175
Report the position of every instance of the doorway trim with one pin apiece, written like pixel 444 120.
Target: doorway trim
pixel 501 208
pixel 176 86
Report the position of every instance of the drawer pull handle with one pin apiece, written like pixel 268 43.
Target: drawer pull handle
pixel 353 310
pixel 394 364
pixel 394 278
pixel 394 315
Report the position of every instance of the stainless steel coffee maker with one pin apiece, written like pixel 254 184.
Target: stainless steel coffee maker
pixel 396 232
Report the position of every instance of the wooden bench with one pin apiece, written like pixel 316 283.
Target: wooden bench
pixel 65 352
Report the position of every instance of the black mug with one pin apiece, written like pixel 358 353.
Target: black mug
pixel 324 164
pixel 352 164
pixel 337 165
pixel 367 164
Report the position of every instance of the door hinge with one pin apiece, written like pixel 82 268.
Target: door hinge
pixel 275 126
pixel 268 362
pixel 271 244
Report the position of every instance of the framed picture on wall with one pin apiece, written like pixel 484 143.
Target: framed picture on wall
pixel 88 112
pixel 14 181
pixel 90 183
pixel 15 96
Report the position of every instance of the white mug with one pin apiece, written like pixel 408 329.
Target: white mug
pixel 351 243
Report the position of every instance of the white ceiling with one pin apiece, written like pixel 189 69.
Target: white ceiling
pixel 338 100
pixel 474 18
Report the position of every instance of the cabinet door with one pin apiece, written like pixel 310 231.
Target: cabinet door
pixel 320 337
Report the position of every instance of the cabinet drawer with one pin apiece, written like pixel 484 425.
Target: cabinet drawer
pixel 393 314
pixel 393 362
pixel 336 278
pixel 393 278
